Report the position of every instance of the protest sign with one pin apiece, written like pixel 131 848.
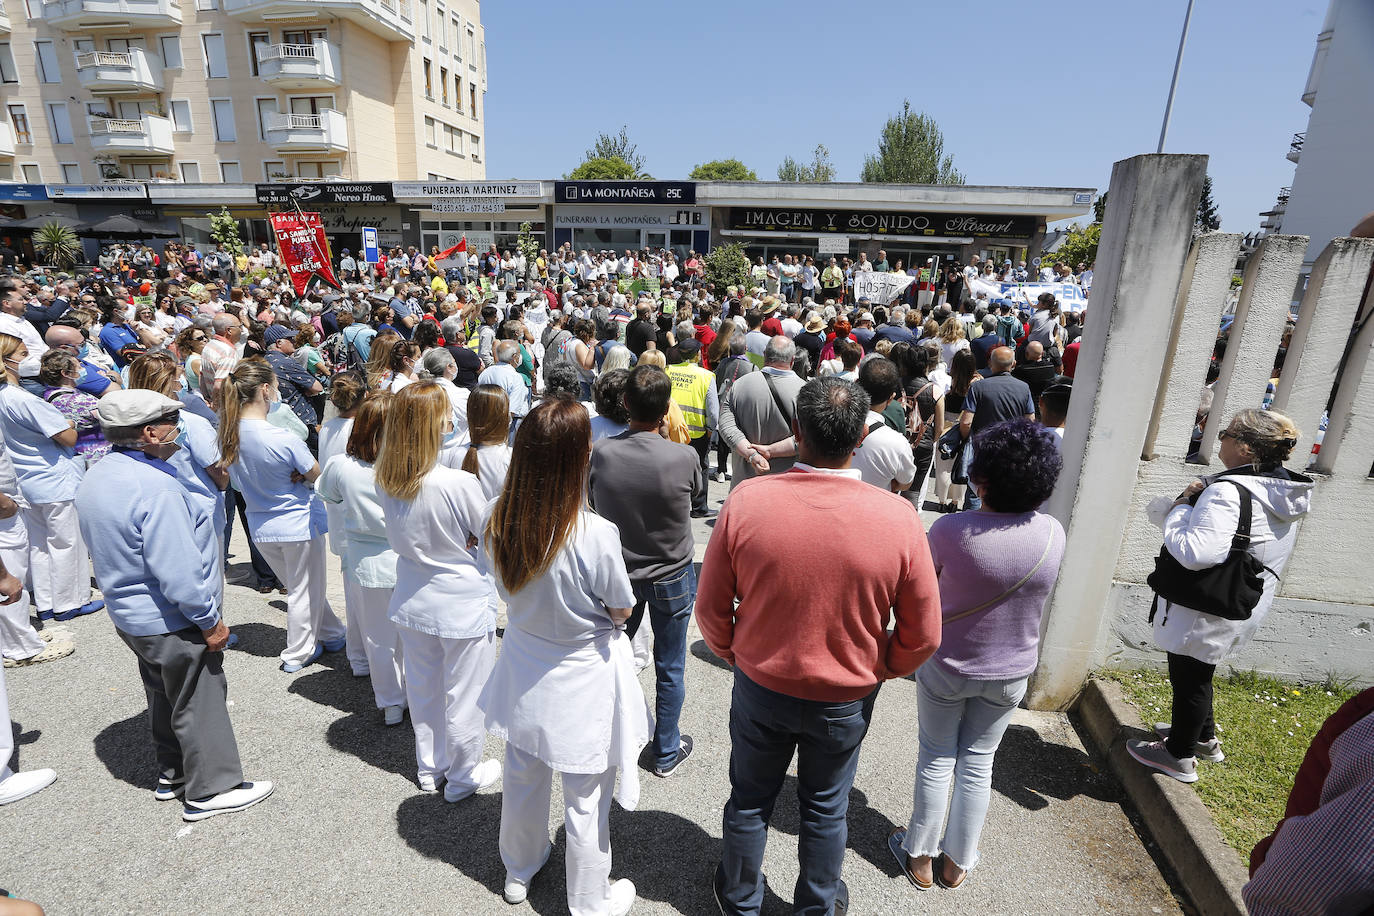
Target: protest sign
pixel 304 249
pixel 880 288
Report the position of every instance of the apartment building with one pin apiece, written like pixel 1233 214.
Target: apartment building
pixel 241 91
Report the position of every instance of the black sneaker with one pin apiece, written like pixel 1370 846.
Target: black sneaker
pixel 684 750
pixel 841 899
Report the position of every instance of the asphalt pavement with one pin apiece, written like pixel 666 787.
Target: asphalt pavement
pixel 347 831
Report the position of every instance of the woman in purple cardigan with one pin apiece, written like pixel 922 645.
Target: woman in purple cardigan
pixel 997 566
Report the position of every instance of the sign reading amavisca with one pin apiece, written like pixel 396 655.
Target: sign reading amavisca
pixel 325 192
pixel 878 222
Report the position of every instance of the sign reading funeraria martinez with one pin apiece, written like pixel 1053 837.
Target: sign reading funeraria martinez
pixel 879 222
pixel 624 192
pixel 314 194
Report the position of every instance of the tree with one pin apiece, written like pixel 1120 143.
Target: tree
pixel 1079 245
pixel 1100 207
pixel 618 147
pixel 529 246
pixel 224 229
pixel 58 244
pixel 727 266
pixel 1208 220
pixel 820 169
pixel 911 151
pixel 723 170
pixel 603 169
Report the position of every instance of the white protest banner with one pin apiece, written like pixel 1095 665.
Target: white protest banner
pixel 832 244
pixel 1069 295
pixel 880 288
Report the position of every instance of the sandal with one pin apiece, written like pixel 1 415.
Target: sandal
pixel 940 874
pixel 894 845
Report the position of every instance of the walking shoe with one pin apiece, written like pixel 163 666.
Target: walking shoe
pixel 718 889
pixel 703 513
pixel 516 890
pixel 895 839
pixel 393 715
pixel 22 785
pixel 57 648
pixel 48 634
pixel 484 774
pixel 427 783
pixel 841 899
pixel 684 750
pixel 246 795
pixel 1156 756
pixel 168 789
pixel 715 476
pixel 89 607
pixel 622 896
pixel 1203 750
pixel 46 615
pixel 292 667
pixel 334 645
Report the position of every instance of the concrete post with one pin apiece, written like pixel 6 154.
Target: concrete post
pixel 1197 315
pixel 1324 320
pixel 1265 295
pixel 1145 238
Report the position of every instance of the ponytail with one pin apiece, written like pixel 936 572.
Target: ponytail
pixel 240 388
pixel 470 462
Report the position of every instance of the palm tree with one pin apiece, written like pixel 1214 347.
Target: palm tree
pixel 58 244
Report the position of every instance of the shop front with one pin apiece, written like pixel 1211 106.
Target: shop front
pixel 345 208
pixel 19 202
pixel 635 215
pixel 487 214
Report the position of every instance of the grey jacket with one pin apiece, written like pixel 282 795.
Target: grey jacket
pixel 749 413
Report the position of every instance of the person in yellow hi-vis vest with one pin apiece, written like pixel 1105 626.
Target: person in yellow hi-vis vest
pixel 694 390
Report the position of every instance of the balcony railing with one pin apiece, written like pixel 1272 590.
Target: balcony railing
pixel 1284 194
pixel 116 126
pixel 299 66
pixel 1295 147
pixel 326 131
pixel 148 134
pixel 6 140
pixel 111 14
pixel 286 52
pixel 118 71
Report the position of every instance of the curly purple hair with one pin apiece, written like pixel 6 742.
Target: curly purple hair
pixel 1017 463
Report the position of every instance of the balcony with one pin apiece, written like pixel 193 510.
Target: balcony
pixel 312 66
pixel 389 19
pixel 326 132
pixel 106 72
pixel 1284 194
pixel 4 21
pixel 6 141
pixel 149 135
pixel 1295 148
pixel 125 15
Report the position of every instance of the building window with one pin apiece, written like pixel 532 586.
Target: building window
pixel 441 21
pixel 190 171
pixel 207 4
pixel 431 138
pixel 458 92
pixel 304 36
pixel 254 40
pixel 19 120
pixel 429 80
pixel 222 111
pixel 216 64
pixel 31 173
pixel 46 55
pixel 180 110
pixel 8 73
pixel 472 49
pixel 451 143
pixel 71 173
pixel 443 85
pixel 477 147
pixel 59 122
pixel 171 51
pixel 424 19
pixel 457 44
pixel 274 170
pixel 267 112
pixel 317 169
pixel 229 173
pixel 472 97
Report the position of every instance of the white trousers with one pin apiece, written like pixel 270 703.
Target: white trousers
pixel 300 565
pixel 381 643
pixel 18 638
pixel 6 730
pixel 58 564
pixel 357 654
pixel 526 784
pixel 443 679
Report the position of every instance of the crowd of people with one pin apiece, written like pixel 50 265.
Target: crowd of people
pixel 539 445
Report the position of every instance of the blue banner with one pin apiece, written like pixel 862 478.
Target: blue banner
pixel 22 192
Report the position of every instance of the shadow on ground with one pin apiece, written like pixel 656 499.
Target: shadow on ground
pixel 703 652
pixel 126 749
pixel 261 639
pixel 1028 769
pixel 360 731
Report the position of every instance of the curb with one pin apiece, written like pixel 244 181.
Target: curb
pixel 1210 871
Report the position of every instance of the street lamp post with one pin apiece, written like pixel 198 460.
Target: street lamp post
pixel 1173 84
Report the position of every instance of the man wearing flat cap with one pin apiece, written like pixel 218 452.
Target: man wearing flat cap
pixel 138 522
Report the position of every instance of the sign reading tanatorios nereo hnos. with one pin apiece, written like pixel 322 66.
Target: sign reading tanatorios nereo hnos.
pixel 312 194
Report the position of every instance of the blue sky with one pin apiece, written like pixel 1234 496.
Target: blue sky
pixel 1026 94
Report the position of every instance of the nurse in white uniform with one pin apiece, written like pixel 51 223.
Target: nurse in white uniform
pixel 442 602
pixel 564 695
pixel 346 391
pixel 348 483
pixel 273 470
pixel 487 452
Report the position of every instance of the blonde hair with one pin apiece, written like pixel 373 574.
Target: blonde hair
pixel 243 386
pixel 952 329
pixel 411 437
pixel 1268 434
pixel 156 371
pixel 653 358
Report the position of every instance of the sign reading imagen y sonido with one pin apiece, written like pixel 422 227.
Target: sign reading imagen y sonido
pixel 313 194
pixel 879 222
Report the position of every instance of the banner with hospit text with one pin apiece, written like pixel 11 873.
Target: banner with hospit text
pixel 304 249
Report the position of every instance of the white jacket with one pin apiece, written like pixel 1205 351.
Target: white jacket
pixel 1200 536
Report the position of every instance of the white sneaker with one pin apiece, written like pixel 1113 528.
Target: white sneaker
pixel 516 890
pixel 1155 755
pixel 427 783
pixel 484 774
pixel 169 789
pixel 393 715
pixel 246 795
pixel 1203 750
pixel 22 785
pixel 622 896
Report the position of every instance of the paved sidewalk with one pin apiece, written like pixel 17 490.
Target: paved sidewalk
pixel 348 832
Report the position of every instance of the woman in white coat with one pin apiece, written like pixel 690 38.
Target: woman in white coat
pixel 442 599
pixel 564 694
pixel 272 470
pixel 348 481
pixel 346 392
pixel 1198 529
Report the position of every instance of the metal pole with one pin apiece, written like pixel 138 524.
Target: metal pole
pixel 1173 84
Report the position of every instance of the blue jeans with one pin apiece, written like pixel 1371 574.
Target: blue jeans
pixel 765 728
pixel 669 601
pixel 961 723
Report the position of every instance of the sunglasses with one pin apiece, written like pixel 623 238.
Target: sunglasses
pixel 198 339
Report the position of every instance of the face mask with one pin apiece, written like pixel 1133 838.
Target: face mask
pixel 84 351
pixel 451 435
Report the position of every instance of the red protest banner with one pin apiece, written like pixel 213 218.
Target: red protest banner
pixel 304 249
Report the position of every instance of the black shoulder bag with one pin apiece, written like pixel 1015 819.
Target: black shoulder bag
pixel 1229 590
pixel 778 401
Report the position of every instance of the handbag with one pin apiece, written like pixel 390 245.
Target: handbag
pixel 1049 542
pixel 1229 590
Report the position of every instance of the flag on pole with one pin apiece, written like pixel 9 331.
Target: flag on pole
pixel 448 258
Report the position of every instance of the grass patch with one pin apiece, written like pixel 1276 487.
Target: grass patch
pixel 1265 726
